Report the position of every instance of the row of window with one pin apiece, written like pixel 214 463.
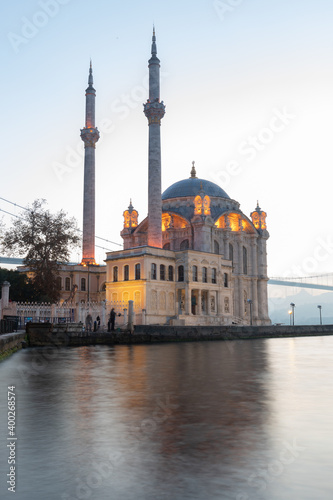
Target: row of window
pixel 204 275
pixel 167 273
pixel 83 283
pixel 185 245
pixel 137 272
pixel 164 272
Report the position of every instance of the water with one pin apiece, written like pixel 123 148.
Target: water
pixel 217 420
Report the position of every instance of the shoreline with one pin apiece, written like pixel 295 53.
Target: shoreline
pixel 71 335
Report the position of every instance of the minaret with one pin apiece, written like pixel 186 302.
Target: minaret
pixel 89 135
pixel 154 111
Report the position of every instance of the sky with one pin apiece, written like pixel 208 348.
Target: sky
pixel 248 89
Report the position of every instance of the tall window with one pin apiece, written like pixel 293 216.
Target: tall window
pixel 225 280
pixel 180 273
pixel 67 284
pixel 170 273
pixel 213 275
pixel 162 272
pixel 58 283
pixel 244 260
pixel 216 247
pixel 153 272
pixel 126 272
pixel 204 274
pixel 195 273
pixel 231 253
pixel 137 271
pixel 115 273
pixel 83 284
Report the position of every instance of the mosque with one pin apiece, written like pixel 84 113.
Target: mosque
pixel 196 259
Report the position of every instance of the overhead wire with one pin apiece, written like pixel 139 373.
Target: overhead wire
pixel 25 208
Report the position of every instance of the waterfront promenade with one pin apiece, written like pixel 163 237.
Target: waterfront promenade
pixel 71 335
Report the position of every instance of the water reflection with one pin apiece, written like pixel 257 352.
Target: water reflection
pixel 206 420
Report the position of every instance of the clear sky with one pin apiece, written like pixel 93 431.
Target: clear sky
pixel 248 88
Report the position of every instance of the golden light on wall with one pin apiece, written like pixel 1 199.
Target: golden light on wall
pixel 259 218
pixel 130 217
pixel 206 205
pixel 235 222
pixel 197 205
pixel 220 223
pixel 173 221
pixel 166 220
pixel 201 206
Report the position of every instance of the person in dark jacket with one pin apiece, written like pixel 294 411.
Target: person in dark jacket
pixel 111 320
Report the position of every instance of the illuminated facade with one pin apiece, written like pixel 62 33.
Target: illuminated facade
pixel 196 259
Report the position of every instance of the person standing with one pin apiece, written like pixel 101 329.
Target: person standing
pixel 112 320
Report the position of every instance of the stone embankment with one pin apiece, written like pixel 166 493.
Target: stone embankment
pixel 71 334
pixel 11 342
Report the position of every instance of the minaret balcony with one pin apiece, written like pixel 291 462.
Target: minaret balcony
pixel 89 136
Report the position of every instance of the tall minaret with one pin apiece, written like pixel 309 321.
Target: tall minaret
pixel 89 135
pixel 154 111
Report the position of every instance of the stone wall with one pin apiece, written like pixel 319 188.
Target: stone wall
pixel 10 343
pixel 72 334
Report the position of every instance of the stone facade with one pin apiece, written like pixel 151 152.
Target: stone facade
pixel 212 268
pixel 196 259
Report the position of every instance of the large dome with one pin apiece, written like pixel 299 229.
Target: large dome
pixel 191 187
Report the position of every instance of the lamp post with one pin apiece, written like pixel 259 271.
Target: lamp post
pixel 290 313
pixel 292 305
pixel 250 302
pixel 320 319
pixel 88 298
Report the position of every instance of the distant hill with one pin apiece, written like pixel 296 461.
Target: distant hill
pixel 306 310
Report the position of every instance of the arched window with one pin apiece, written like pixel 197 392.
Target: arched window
pixel 67 284
pixel 170 273
pixel 231 253
pixel 137 271
pixel 153 272
pixel 180 273
pixel 103 287
pixel 204 274
pixel 225 280
pixel 59 284
pixel 216 247
pixel 162 272
pixel 213 275
pixel 195 273
pixel 115 273
pixel 126 272
pixel 83 284
pixel 166 246
pixel 244 260
pixel 184 245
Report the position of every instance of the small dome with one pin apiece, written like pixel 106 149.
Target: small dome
pixel 191 187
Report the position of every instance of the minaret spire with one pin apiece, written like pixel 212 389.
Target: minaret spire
pixel 154 110
pixel 90 78
pixel 89 135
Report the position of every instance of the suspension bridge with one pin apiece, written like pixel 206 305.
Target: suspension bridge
pixel 318 282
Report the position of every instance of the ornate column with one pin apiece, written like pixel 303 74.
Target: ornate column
pixel 154 111
pixel 89 135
